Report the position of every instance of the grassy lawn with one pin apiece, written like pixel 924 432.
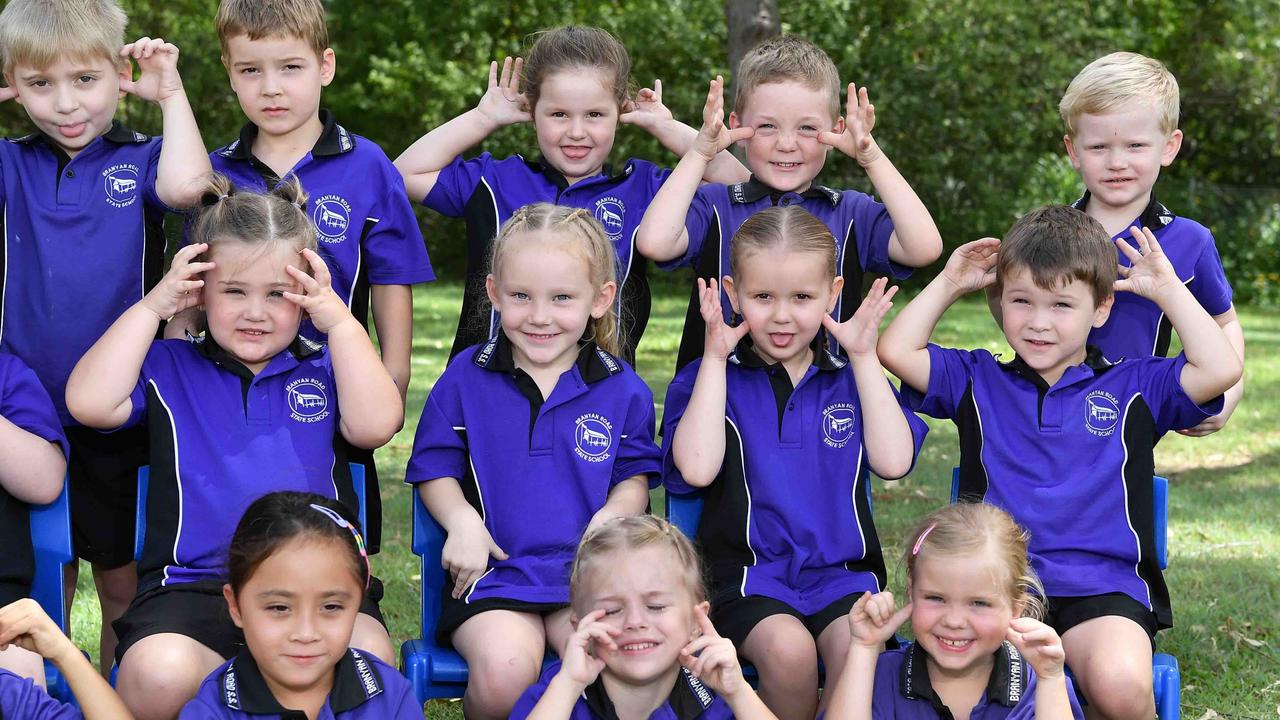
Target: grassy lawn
pixel 1224 571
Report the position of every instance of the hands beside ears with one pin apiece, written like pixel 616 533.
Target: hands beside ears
pixel 873 619
pixel 158 65
pixel 858 334
pixel 720 339
pixel 714 135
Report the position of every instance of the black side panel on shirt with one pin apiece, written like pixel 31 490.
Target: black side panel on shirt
pixel 693 337
pixel 973 476
pixel 851 271
pixel 873 557
pixel 164 503
pixel 342 475
pixel 636 302
pixel 1164 335
pixel 1139 440
pixel 153 250
pixel 360 293
pixel 470 484
pixel 482 228
pixel 722 534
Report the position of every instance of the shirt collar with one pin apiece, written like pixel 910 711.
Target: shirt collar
pixel 1006 686
pixel 1093 360
pixel 689 699
pixel 745 355
pixel 543 167
pixel 334 140
pixel 753 190
pixel 355 682
pixel 118 134
pixel 1155 215
pixel 593 363
pixel 301 348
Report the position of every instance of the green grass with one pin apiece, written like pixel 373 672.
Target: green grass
pixel 1224 571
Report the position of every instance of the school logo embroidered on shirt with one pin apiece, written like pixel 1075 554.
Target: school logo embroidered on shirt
pixel 308 400
pixel 332 216
pixel 838 422
pixel 609 211
pixel 121 184
pixel 593 434
pixel 1102 412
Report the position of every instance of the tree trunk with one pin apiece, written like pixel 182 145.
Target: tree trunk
pixel 749 21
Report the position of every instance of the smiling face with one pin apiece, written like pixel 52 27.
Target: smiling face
pixel 244 301
pixel 958 613
pixel 278 82
pixel 1119 155
pixel 787 116
pixel 73 100
pixel 1048 328
pixel 576 119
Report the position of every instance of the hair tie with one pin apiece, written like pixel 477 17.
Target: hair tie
pixel 344 523
pixel 210 199
pixel 915 549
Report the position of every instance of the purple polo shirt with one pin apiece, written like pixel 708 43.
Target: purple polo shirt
pixel 690 699
pixel 21 699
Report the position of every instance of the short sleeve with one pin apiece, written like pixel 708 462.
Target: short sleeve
pixel 677 401
pixel 1210 286
pixel 455 184
pixel 872 229
pixel 532 694
pixel 1160 380
pixel 21 698
pixel 950 373
pixel 395 251
pixel 439 447
pixel 26 403
pixel 697 223
pixel 638 453
pixel 202 708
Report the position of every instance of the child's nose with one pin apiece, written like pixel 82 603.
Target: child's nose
pixel 270 84
pixel 577 128
pixel 635 618
pixel 305 629
pixel 65 100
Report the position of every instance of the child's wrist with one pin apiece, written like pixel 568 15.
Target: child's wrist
pixel 563 683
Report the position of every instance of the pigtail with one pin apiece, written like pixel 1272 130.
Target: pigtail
pixel 226 213
pixel 290 190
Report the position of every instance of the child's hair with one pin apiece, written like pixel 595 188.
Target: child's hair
pixel 279 517
pixel 633 533
pixel 253 218
pixel 581 231
pixel 1058 244
pixel 790 227
pixel 787 58
pixel 1116 79
pixel 573 47
pixel 36 33
pixel 969 528
pixel 257 19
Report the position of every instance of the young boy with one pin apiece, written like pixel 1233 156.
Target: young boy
pixel 84 200
pixel 1121 116
pixel 1062 438
pixel 787 115
pixel 278 59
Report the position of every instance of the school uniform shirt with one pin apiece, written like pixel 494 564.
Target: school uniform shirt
pixel 83 241
pixel 487 191
pixel 535 470
pixel 690 699
pixel 364 687
pixel 222 437
pixel 22 699
pixel 1137 327
pixel 903 690
pixel 860 224
pixel 1072 463
pixel 789 515
pixel 23 402
pixel 366 231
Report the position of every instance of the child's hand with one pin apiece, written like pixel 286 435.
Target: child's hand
pixel 503 103
pixel 720 339
pixel 158 63
pixel 1149 271
pixel 857 335
pixel 856 140
pixel 1039 644
pixel 588 649
pixel 181 288
pixel 25 624
pixel 646 111
pixel 872 619
pixel 318 299
pixel 713 659
pixel 466 552
pixel 973 265
pixel 714 135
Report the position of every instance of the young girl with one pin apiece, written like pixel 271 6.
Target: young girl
pixel 783 432
pixel 980 649
pixel 576 89
pixel 297 572
pixel 527 440
pixel 643 646
pixel 252 407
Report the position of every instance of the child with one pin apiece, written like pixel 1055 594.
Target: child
pixel 1121 114
pixel 252 407
pixel 525 441
pixel 642 645
pixel 1062 438
pixel 33 463
pixel 82 186
pixel 23 624
pixel 297 571
pixel 783 431
pixel 787 117
pixel 980 649
pixel 576 84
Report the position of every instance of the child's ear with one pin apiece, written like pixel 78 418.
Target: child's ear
pixel 1103 311
pixel 491 289
pixel 233 607
pixel 1171 148
pixel 839 126
pixel 726 282
pixel 836 286
pixel 604 300
pixel 328 66
pixel 1020 606
pixel 1071 151
pixel 734 122
pixel 124 73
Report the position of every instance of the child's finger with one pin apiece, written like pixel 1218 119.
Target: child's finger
pixel 318 267
pixel 703 620
pixel 1128 250
pixel 505 78
pixel 657 90
pixel 741 132
pixel 516 69
pixel 493 74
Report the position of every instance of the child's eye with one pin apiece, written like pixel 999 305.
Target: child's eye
pixel 808 130
pixel 334 607
pixel 803 296
pixel 248 70
pixel 276 294
pixel 981 603
pixel 933 598
pixel 86 79
pixel 559 114
pixel 612 611
pixel 292 66
pixel 595 114
pixel 233 291
pixel 277 608
pixel 657 608
pixel 39 83
pixel 1064 305
pixel 761 296
pixel 562 297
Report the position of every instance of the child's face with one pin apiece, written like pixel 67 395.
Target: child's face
pixel 576 119
pixel 959 612
pixel 1048 328
pixel 782 295
pixel 643 594
pixel 278 81
pixel 244 301
pixel 785 153
pixel 1119 155
pixel 297 611
pixel 73 100
pixel 546 298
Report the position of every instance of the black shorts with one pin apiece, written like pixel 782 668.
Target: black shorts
pixel 455 612
pixel 198 610
pixel 1063 613
pixel 737 616
pixel 103 468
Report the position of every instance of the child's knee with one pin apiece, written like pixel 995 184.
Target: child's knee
pixel 784 650
pixel 1120 692
pixel 369 635
pixel 158 676
pixel 496 680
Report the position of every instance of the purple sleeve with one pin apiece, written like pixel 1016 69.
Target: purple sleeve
pixel 1026 708
pixel 21 698
pixel 678 394
pixel 1210 285
pixel 884 691
pixel 156 355
pixel 1161 383
pixel 696 223
pixel 530 697
pixel 919 429
pixel 438 449
pixel 25 403
pixel 394 247
pixel 872 228
pixel 455 184
pixel 950 372
pixel 638 454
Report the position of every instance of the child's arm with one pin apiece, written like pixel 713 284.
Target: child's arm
pixel 370 408
pixel 904 346
pixel 698 444
pixel 1230 324
pixel 1042 648
pixel 467 543
pixel 99 389
pixel 24 623
pixel 33 468
pixel 1212 363
pixel 629 497
pixel 713 660
pixel 648 113
pixel 502 104
pixel 393 319
pixel 872 621
pixel 584 658
pixel 184 163
pixel 915 241
pixel 662 235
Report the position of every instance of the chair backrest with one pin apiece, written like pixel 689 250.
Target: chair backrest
pixel 51 544
pixel 428 543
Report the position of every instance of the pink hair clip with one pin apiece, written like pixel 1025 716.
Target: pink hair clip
pixel 915 549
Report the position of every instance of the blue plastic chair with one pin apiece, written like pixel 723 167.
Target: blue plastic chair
pixel 51 543
pixel 434 671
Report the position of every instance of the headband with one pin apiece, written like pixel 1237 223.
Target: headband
pixel 344 523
